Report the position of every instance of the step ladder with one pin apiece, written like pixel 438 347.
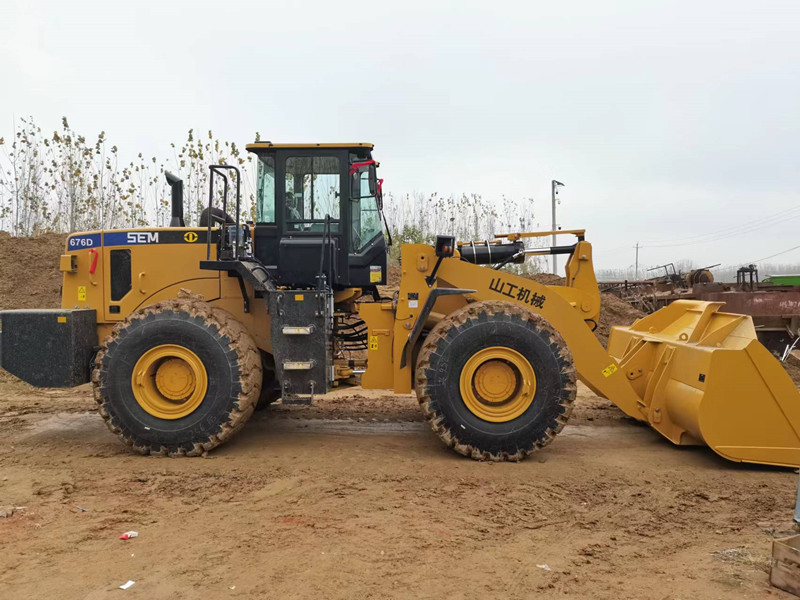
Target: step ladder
pixel 301 327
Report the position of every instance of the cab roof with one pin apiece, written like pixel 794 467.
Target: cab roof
pixel 270 145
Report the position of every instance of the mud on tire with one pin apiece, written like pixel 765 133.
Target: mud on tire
pixel 227 352
pixel 450 345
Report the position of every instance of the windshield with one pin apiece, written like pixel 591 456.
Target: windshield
pixel 312 192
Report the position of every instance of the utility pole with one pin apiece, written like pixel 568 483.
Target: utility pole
pixel 637 260
pixel 554 185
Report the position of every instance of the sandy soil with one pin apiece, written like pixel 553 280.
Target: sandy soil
pixel 21 286
pixel 356 498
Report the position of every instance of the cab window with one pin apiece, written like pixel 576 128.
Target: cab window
pixel 312 192
pixel 265 190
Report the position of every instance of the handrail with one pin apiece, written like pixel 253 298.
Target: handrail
pixel 326 234
pixel 224 242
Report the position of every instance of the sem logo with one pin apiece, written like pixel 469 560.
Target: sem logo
pixel 190 236
pixel 143 237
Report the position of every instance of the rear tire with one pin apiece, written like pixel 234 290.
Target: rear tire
pixel 144 397
pixel 527 360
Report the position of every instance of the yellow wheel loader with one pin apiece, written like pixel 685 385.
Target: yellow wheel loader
pixel 184 330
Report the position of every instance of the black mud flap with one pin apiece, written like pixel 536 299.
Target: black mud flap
pixel 48 348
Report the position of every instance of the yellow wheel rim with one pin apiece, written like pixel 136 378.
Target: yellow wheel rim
pixel 169 381
pixel 497 384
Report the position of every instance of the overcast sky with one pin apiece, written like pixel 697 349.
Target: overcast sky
pixel 670 122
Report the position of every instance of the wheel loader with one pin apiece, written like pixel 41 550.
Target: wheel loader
pixel 183 331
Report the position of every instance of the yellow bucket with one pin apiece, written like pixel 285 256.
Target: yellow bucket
pixel 703 377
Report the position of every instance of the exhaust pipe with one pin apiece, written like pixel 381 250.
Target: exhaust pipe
pixel 177 200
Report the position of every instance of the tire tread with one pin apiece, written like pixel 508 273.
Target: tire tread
pixel 477 312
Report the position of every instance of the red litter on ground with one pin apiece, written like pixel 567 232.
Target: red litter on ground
pixel 128 535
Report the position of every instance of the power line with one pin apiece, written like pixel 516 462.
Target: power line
pixel 721 234
pixel 729 232
pixel 733 266
pixel 741 230
pixel 726 230
pixel 774 255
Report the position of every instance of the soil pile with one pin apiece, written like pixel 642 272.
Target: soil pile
pixel 29 275
pixel 393 277
pixel 614 311
pixel 546 278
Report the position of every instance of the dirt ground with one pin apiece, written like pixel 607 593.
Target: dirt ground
pixel 356 498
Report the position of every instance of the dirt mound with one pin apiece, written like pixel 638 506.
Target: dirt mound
pixel 614 311
pixel 393 277
pixel 546 278
pixel 29 275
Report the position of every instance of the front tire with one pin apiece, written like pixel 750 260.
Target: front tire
pixel 495 381
pixel 177 378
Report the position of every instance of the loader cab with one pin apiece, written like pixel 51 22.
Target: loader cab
pixel 318 207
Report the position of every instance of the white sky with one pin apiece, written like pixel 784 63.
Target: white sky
pixel 667 120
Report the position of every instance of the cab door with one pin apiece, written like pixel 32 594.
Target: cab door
pixel 309 205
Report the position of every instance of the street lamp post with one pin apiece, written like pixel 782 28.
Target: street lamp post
pixel 554 185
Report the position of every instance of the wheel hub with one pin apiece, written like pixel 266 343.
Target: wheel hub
pixel 495 381
pixel 497 384
pixel 175 379
pixel 169 381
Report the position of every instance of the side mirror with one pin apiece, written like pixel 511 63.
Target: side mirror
pixel 357 178
pixel 373 180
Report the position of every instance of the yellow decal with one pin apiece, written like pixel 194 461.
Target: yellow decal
pixel 298 297
pixel 609 370
pixel 62 319
pixel 81 293
pixel 373 342
pixel 190 236
pixel 375 273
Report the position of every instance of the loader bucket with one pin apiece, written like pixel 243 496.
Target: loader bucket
pixel 703 377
